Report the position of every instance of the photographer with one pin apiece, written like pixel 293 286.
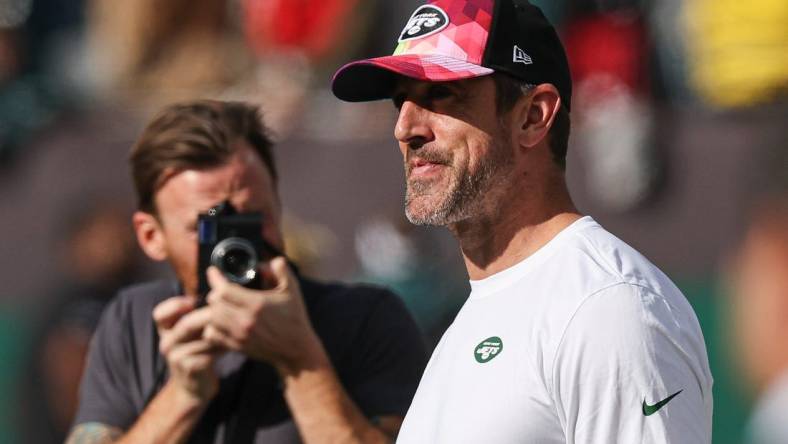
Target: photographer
pixel 296 360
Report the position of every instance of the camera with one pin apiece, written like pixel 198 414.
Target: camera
pixel 233 243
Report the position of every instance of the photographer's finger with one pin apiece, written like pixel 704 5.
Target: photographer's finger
pixel 267 277
pixel 224 290
pixel 172 340
pixel 216 279
pixel 219 338
pixel 196 347
pixel 167 312
pixel 281 272
pixel 232 320
pixel 168 343
pixel 232 294
pixel 190 326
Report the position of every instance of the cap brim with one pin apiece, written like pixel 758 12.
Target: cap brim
pixel 375 79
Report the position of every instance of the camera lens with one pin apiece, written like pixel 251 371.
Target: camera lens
pixel 235 262
pixel 236 259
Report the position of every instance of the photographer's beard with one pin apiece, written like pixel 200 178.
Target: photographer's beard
pixel 458 193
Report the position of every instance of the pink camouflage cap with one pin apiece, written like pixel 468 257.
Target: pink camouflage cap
pixel 446 40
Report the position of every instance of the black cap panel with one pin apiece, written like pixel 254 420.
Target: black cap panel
pixel 525 45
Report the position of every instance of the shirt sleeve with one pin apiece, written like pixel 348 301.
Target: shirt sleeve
pixel 104 394
pixel 392 357
pixel 629 369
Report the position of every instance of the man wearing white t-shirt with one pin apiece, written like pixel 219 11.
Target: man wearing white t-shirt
pixel 569 335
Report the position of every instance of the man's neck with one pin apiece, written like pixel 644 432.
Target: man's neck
pixel 492 244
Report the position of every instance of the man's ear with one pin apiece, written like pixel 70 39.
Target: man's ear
pixel 535 113
pixel 150 235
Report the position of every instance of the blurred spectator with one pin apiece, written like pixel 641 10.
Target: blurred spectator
pixel 607 43
pixel 760 314
pixel 738 50
pixel 669 37
pixel 97 256
pixel 152 52
pixel 315 28
pixel 34 35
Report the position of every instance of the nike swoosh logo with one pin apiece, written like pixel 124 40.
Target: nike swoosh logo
pixel 649 410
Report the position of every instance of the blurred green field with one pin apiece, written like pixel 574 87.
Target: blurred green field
pixel 731 406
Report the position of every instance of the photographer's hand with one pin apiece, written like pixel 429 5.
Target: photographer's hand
pixel 273 325
pixel 189 357
pixel 269 325
pixel 175 410
pixel 177 407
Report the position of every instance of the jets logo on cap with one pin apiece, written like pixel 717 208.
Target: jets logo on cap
pixel 520 56
pixel 426 20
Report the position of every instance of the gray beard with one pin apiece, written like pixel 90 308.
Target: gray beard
pixel 462 198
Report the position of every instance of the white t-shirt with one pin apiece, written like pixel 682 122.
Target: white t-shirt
pixel 582 342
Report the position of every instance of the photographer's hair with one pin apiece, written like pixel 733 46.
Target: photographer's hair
pixel 194 135
pixel 508 91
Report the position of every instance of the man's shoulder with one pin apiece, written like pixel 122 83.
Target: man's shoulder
pixel 609 283
pixel 360 295
pixel 154 289
pixel 138 300
pixel 607 260
pixel 123 360
pixel 590 265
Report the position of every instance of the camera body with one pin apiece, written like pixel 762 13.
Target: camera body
pixel 233 243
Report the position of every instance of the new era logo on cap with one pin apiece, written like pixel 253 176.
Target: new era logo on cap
pixel 520 56
pixel 426 20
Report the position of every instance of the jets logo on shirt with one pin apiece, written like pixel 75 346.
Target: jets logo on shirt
pixel 488 349
pixel 426 20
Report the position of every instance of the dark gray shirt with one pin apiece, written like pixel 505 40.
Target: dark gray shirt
pixel 374 345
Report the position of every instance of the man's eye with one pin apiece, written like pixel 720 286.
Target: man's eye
pixel 437 92
pixel 433 93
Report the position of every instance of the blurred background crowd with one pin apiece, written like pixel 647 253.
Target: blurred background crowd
pixel 679 146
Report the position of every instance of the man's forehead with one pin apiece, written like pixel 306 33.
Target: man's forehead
pixel 204 187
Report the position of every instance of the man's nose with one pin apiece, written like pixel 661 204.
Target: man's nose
pixel 413 128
